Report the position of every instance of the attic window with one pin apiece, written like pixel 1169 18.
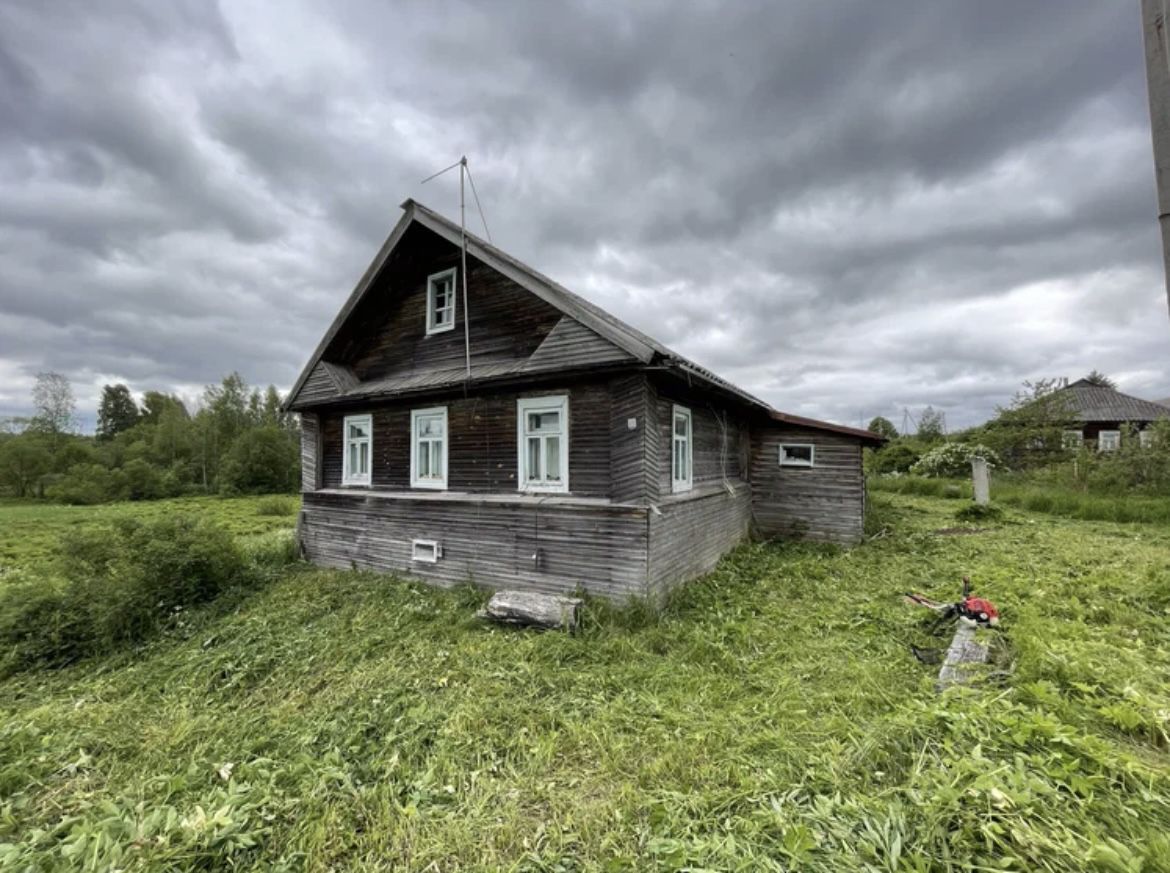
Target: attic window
pixel 441 301
pixel 796 455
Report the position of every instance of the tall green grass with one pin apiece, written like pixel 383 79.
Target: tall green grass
pixel 1051 499
pixel 772 718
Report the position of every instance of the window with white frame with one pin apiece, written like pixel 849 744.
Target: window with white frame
pixel 1072 439
pixel 441 301
pixel 428 448
pixel 543 443
pixel 428 551
pixel 1109 440
pixel 681 454
pixel 796 454
pixel 1146 438
pixel 358 449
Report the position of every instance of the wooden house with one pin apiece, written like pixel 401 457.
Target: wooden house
pixel 1098 415
pixel 541 443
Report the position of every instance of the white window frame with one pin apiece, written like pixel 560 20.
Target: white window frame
pixel 1073 439
pixel 348 477
pixel 551 403
pixel 681 484
pixel 415 416
pixel 786 461
pixel 427 551
pixel 1145 439
pixel 433 328
pixel 1101 447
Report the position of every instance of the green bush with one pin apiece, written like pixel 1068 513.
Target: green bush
pixel 264 460
pixel 896 457
pixel 89 484
pixel 979 512
pixel 277 506
pixel 117 585
pixel 954 459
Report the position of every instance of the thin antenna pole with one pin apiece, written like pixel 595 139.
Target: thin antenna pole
pixel 463 247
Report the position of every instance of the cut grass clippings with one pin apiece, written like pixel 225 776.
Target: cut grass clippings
pixel 772 718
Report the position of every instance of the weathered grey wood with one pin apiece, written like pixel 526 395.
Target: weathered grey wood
pixel 531 609
pixel 310 451
pixel 981 481
pixel 963 658
pixel 824 502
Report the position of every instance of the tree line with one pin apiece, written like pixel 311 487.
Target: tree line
pixel 238 440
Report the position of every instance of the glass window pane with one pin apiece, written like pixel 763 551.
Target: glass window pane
pixel 437 459
pixel 533 471
pixel 363 458
pixel 552 471
pixel 544 422
pixel 353 458
pixel 423 459
pixel 357 430
pixel 681 425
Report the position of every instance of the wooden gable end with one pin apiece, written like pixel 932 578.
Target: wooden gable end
pixel 386 334
pixel 382 347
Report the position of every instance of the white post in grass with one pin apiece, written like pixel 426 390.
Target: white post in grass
pixel 981 480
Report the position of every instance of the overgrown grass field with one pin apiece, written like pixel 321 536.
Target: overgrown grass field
pixel 771 718
pixel 30 529
pixel 1048 498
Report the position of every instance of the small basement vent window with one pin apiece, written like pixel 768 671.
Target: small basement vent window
pixel 796 455
pixel 428 551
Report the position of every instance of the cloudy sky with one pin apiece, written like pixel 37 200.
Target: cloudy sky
pixel 849 208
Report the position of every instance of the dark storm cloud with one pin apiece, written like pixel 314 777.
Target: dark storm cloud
pixel 849 208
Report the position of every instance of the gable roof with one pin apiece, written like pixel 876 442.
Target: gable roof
pixel 586 327
pixel 1089 402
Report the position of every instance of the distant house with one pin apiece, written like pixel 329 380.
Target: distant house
pixel 531 440
pixel 1099 415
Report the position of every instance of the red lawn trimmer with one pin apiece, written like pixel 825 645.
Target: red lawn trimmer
pixel 976 610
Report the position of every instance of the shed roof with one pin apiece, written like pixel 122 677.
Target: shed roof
pixel 640 346
pixel 1089 402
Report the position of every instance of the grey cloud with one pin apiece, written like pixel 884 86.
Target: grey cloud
pixel 850 208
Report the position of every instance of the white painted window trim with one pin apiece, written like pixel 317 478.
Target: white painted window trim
pixel 419 551
pixel 551 403
pixel 432 328
pixel 415 415
pixel 348 477
pixel 786 461
pixel 1101 447
pixel 679 484
pixel 1072 439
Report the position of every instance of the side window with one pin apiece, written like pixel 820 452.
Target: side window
pixel 358 449
pixel 681 454
pixel 543 443
pixel 1072 439
pixel 797 455
pixel 428 447
pixel 441 301
pixel 1109 440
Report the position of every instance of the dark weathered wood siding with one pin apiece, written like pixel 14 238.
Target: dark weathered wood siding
pixel 310 452
pixel 824 502
pixel 489 541
pixel 482 450
pixel 719 437
pixel 387 334
pixel 689 533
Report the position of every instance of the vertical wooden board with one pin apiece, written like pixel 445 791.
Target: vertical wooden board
pixel 629 470
pixel 310 446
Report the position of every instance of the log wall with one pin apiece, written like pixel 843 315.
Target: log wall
pixel 691 532
pixel 310 451
pixel 482 449
pixel 489 541
pixel 825 502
